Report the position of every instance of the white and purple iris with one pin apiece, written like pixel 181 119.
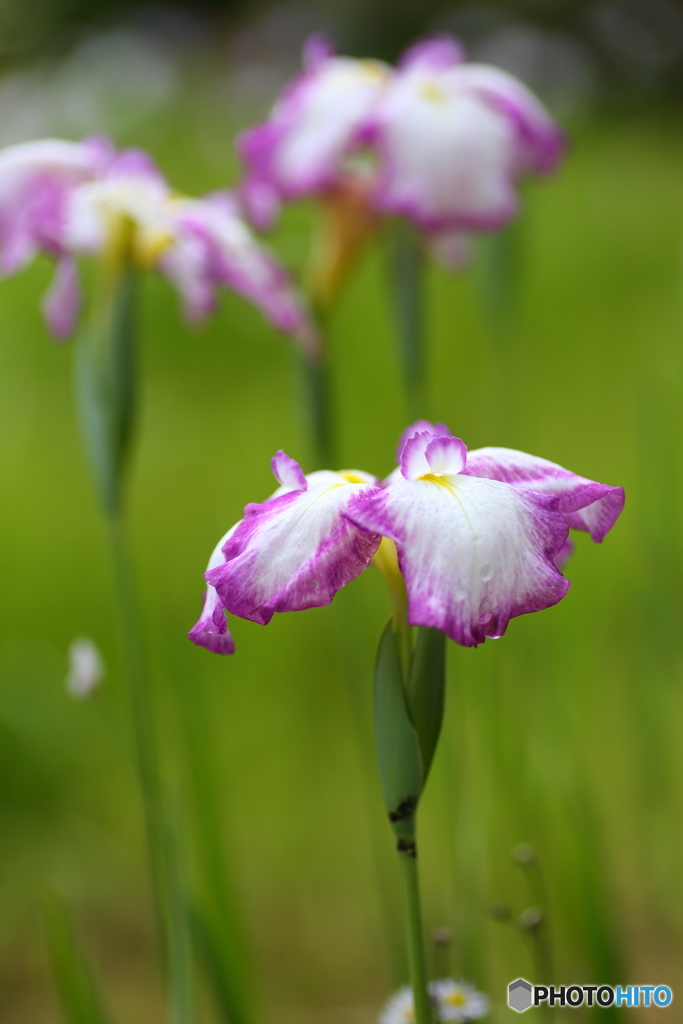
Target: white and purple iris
pixel 437 140
pixel 480 536
pixel 70 198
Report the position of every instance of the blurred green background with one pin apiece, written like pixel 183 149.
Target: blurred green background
pixel 565 734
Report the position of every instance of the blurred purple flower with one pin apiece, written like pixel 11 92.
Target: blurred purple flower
pixel 69 199
pixel 436 140
pixel 480 536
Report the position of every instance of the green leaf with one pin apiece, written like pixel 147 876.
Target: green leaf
pixel 105 392
pixel 398 747
pixel 425 691
pixel 78 996
pixel 223 968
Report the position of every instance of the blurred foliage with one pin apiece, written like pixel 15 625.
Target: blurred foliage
pixel 564 734
pixel 631 47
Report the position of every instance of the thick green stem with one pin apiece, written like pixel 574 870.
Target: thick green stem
pixel 410 891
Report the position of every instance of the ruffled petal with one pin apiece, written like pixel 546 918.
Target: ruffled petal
pixel 226 254
pixel 447 158
pixel 299 150
pixel 474 553
pixel 453 138
pixel 288 472
pixel 540 141
pixel 62 301
pixel 36 179
pixel 585 504
pixel 294 551
pixel 434 54
pixel 421 427
pixel 211 631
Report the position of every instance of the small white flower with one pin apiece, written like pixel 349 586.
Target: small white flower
pixel 86 668
pixel 457 1000
pixel 400 1008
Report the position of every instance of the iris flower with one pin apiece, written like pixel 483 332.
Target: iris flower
pixel 75 198
pixel 436 140
pixel 476 538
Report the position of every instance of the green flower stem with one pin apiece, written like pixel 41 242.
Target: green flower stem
pixel 165 881
pixel 407 280
pixel 410 890
pixel 105 391
pixel 317 385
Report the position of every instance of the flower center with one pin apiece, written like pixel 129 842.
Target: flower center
pixel 434 478
pixel 456 999
pixel 433 91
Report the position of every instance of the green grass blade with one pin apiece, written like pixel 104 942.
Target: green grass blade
pixel 80 1002
pixel 222 967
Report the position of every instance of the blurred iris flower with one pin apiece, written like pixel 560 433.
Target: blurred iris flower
pixel 475 538
pixel 72 198
pixel 452 1000
pixel 436 140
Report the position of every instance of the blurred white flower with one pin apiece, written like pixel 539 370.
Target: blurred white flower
pixel 452 1000
pixel 86 668
pixel 399 1009
pixel 457 1000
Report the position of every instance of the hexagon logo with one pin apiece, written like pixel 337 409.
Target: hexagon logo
pixel 520 995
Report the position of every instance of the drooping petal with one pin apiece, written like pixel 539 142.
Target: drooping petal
pixel 474 553
pixel 187 266
pixel 585 504
pixel 564 554
pixel 453 138
pixel 35 181
pixel 447 158
pixel 62 301
pixel 540 141
pixel 215 248
pixel 300 148
pixel 295 550
pixel 211 630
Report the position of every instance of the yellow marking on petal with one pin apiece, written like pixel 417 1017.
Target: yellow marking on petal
pixel 433 91
pixel 351 476
pixel 151 245
pixel 373 71
pixel 442 481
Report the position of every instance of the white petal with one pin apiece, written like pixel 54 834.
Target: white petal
pixel 474 552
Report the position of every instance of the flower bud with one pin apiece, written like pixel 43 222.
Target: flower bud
pixel 524 855
pixel 86 668
pixel 531 919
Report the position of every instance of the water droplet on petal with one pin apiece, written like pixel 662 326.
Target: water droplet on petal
pixel 486 572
